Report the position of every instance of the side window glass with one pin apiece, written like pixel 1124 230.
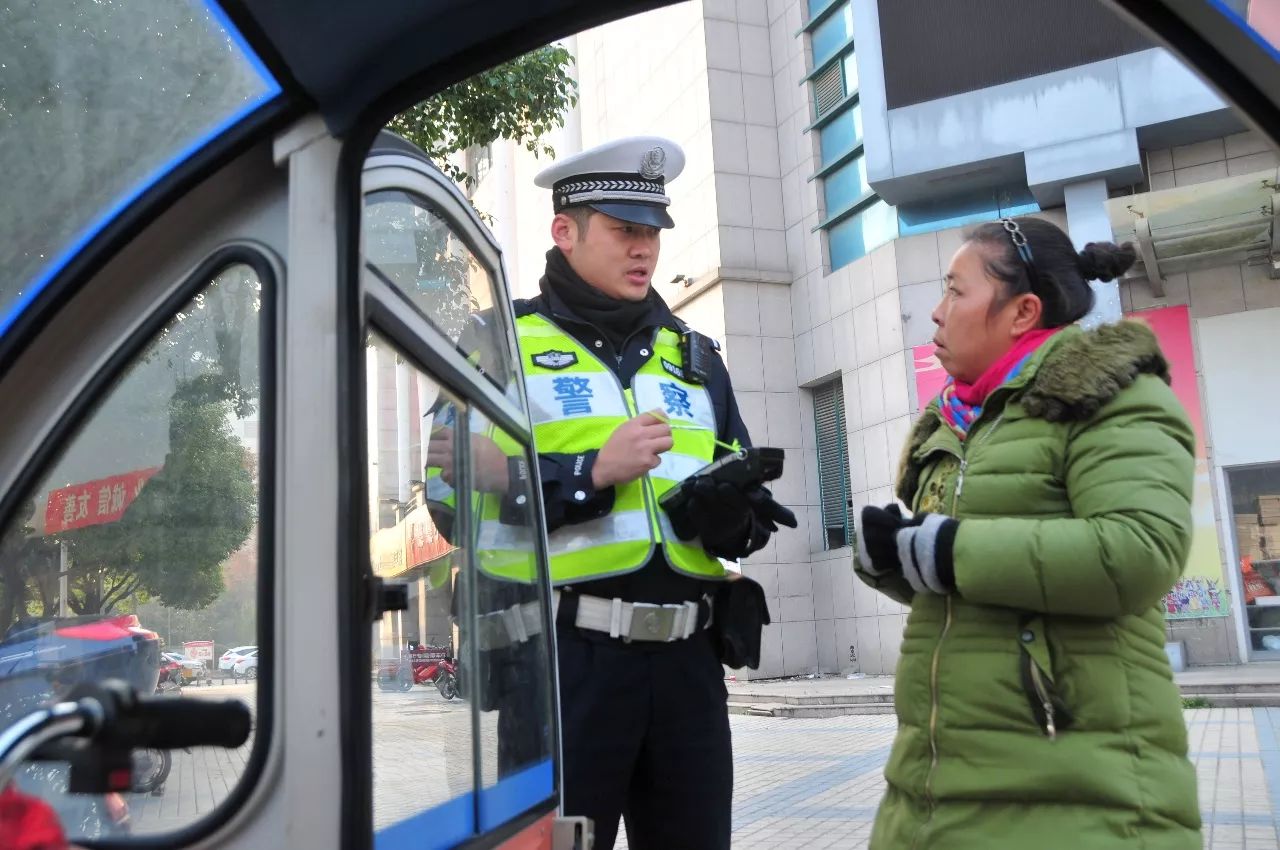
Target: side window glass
pixel 465 671
pixel 423 759
pixel 136 557
pixel 412 247
pixel 512 649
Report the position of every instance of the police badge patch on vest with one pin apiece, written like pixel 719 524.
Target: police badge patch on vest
pixel 672 368
pixel 555 359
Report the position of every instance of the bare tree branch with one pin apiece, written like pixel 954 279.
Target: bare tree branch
pixel 120 593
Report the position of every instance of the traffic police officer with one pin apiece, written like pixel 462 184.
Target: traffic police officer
pixel 621 416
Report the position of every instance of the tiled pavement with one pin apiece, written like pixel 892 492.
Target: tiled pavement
pixel 800 783
pixel 1237 762
pixel 422 752
pixel 804 783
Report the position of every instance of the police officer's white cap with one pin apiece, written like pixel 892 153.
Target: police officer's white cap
pixel 625 178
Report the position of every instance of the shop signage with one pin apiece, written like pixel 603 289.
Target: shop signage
pixel 96 502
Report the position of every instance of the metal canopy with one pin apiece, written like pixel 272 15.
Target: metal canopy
pixel 347 57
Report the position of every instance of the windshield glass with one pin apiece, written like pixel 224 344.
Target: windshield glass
pixel 98 100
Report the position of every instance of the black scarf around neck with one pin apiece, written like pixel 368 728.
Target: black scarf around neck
pixel 615 317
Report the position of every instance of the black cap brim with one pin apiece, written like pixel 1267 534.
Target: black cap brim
pixel 648 214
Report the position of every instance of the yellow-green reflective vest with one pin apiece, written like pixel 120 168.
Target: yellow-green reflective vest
pixel 508 556
pixel 576 402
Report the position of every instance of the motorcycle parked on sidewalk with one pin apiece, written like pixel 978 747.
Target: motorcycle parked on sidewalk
pixel 421 665
pixel 151 768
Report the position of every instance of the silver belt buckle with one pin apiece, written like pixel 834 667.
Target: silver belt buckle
pixel 652 622
pixel 492 631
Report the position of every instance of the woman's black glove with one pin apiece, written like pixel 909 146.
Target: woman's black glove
pixel 730 522
pixel 920 548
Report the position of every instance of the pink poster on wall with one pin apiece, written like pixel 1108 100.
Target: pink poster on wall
pixel 1201 592
pixel 1172 326
pixel 930 375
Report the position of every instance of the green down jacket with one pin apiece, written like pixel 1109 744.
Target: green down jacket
pixel 1036 706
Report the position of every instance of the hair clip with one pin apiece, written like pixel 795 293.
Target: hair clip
pixel 1019 240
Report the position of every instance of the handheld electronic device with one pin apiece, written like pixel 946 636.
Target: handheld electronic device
pixel 742 469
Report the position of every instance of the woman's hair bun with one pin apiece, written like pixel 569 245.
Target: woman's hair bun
pixel 1105 260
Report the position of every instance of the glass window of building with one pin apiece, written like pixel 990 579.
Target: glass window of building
pixel 833 463
pixel 854 219
pixel 1254 492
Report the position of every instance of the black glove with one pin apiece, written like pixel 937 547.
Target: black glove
pixel 766 516
pixel 731 523
pixel 716 512
pixel 767 511
pixel 920 548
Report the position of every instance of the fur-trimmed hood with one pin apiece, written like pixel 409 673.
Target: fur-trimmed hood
pixel 1085 370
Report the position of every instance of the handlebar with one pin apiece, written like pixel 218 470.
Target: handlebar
pixel 110 717
pixel 170 724
pixel 44 726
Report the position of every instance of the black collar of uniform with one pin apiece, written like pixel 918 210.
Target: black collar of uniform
pixel 566 280
pixel 659 315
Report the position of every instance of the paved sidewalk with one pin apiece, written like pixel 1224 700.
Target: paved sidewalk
pixel 805 783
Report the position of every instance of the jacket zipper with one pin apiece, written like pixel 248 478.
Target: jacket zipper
pixel 946 627
pixel 1050 727
pixel 646 483
pixel 1042 693
pixel 934 701
pixel 994 425
pixel 934 706
pixel 651 498
pixel 646 486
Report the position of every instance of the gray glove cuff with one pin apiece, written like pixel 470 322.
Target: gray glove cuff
pixel 917 551
pixel 863 560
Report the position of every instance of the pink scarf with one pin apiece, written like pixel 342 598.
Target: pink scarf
pixel 961 404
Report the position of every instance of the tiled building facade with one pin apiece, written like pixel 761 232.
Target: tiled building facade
pixel 817 257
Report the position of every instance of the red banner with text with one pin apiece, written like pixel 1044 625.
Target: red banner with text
pixel 94 502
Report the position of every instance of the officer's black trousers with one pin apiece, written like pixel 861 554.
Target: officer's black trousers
pixel 646 736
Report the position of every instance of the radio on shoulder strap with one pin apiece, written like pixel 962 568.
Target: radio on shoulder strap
pixel 697 350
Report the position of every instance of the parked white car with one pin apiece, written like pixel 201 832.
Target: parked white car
pixel 247 666
pixel 187 662
pixel 233 655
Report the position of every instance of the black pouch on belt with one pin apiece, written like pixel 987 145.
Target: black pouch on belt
pixel 739 615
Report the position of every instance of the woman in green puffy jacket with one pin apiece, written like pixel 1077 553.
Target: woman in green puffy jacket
pixel 1050 494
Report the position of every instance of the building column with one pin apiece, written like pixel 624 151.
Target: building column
pixel 422 608
pixel 1087 221
pixel 404 463
pixel 373 423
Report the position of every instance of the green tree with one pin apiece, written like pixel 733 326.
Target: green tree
pixel 230 620
pixel 188 519
pixel 521 100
